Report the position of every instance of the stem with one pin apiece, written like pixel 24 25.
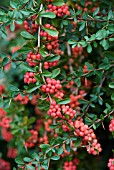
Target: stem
pixel 99 120
pixel 39 44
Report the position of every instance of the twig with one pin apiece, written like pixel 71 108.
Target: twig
pixel 99 120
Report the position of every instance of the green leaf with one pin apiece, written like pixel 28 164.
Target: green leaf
pixel 47 73
pixel 96 11
pixel 82 26
pixel 32 89
pixel 12 26
pixel 52 58
pixel 13 4
pixel 89 48
pixel 5 61
pixel 30 167
pixel 111 85
pixel 26 159
pixel 19 161
pixel 13 88
pixel 55 157
pixel 27 35
pixel 25 12
pixel 65 101
pixel 51 32
pixel 42 146
pixel 26 67
pixel 58 2
pixel 112 96
pixel 7 104
pixel 60 150
pixel 47 14
pixel 35 156
pixel 55 73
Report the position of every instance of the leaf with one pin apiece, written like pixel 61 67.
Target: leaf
pixel 30 167
pixel 112 96
pixel 42 146
pixel 27 35
pixel 71 42
pixel 13 88
pixel 51 32
pixel 13 4
pixel 65 101
pixel 111 85
pixel 55 73
pixel 52 58
pixel 19 161
pixel 26 67
pixel 5 61
pixel 58 2
pixel 82 26
pixel 12 26
pixel 26 159
pixel 47 14
pixel 7 104
pixel 47 73
pixel 25 12
pixel 32 89
pixel 55 157
pixel 89 48
pixel 35 155
pixel 96 11
pixel 60 150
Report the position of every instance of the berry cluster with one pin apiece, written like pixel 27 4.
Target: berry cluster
pixel 2 88
pixel 55 110
pixel 4 165
pixel 111 125
pixel 85 69
pixel 68 112
pixel 60 94
pixel 50 64
pixel 88 136
pixel 5 122
pixel 34 100
pixel 32 139
pixel 31 57
pixel 111 164
pixel 52 86
pixel 43 139
pixel 72 165
pixel 77 51
pixel 2 113
pixel 29 78
pixel 74 99
pixel 53 44
pixel 58 51
pixel 65 128
pixel 47 128
pixel 60 11
pixel 22 99
pixel 12 153
pixel 6 134
pixel 31 26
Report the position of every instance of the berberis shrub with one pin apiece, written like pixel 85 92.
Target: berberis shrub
pixel 57 85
